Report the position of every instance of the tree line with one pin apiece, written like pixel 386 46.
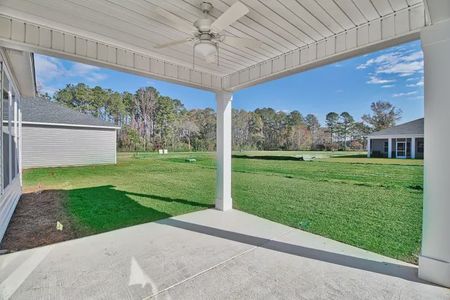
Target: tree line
pixel 151 121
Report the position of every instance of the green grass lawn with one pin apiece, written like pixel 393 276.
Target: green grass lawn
pixel 375 204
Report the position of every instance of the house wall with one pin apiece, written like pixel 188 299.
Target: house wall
pixel 51 146
pixel 378 148
pixel 10 140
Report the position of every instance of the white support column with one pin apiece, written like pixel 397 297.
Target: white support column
pixel 413 147
pixel 368 147
pixel 223 180
pixel 434 260
pixel 389 147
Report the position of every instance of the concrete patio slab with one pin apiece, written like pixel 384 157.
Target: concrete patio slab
pixel 208 255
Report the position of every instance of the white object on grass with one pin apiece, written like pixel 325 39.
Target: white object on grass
pixel 59 226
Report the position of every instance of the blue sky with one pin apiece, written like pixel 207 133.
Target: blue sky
pixel 394 75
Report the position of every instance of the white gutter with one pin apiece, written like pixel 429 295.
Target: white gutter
pixel 393 136
pixel 69 125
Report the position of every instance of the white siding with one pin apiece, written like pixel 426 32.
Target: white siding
pixel 51 146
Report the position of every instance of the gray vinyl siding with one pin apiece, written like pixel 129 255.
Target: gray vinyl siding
pixel 51 146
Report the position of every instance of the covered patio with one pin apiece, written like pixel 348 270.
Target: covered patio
pixel 209 255
pixel 225 253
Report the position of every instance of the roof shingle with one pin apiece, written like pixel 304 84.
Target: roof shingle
pixel 40 110
pixel 413 127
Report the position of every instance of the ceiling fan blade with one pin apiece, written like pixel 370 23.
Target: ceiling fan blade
pixel 171 44
pixel 241 42
pixel 175 21
pixel 231 15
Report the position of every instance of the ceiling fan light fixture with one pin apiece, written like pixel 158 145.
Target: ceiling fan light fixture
pixel 205 48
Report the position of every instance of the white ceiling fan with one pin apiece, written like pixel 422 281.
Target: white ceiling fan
pixel 206 36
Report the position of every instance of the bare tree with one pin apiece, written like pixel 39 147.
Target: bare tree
pixel 384 115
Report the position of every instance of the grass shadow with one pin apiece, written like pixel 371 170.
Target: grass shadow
pixel 349 156
pixel 270 157
pixel 169 199
pixel 105 208
pixel 85 211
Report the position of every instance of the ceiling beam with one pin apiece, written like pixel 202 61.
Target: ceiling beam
pixel 395 28
pixel 23 35
pixel 21 65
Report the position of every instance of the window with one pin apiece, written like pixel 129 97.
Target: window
pixel 9 139
pixel 408 148
pixel 386 147
pixel 420 146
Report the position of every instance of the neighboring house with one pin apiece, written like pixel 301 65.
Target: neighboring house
pixel 401 141
pixel 54 135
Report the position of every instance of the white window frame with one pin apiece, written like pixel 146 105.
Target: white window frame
pixel 2 64
pixel 13 126
pixel 403 141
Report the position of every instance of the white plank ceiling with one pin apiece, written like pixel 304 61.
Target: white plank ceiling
pixel 283 26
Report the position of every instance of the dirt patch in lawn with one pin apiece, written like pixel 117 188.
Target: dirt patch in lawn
pixel 34 221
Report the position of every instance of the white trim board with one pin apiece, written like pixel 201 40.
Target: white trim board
pixel 27 36
pixel 396 136
pixel 8 202
pixel 69 125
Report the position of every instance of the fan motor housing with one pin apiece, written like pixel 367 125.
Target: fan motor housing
pixel 203 25
pixel 206 7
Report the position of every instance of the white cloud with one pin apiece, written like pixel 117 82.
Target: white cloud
pixel 386 86
pixel 419 97
pixel 83 69
pixel 383 59
pixel 415 56
pixel 398 62
pixel 404 94
pixel 402 69
pixel 45 89
pixel 49 69
pixel 377 80
pixel 90 73
pixel 416 84
pixel 95 77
